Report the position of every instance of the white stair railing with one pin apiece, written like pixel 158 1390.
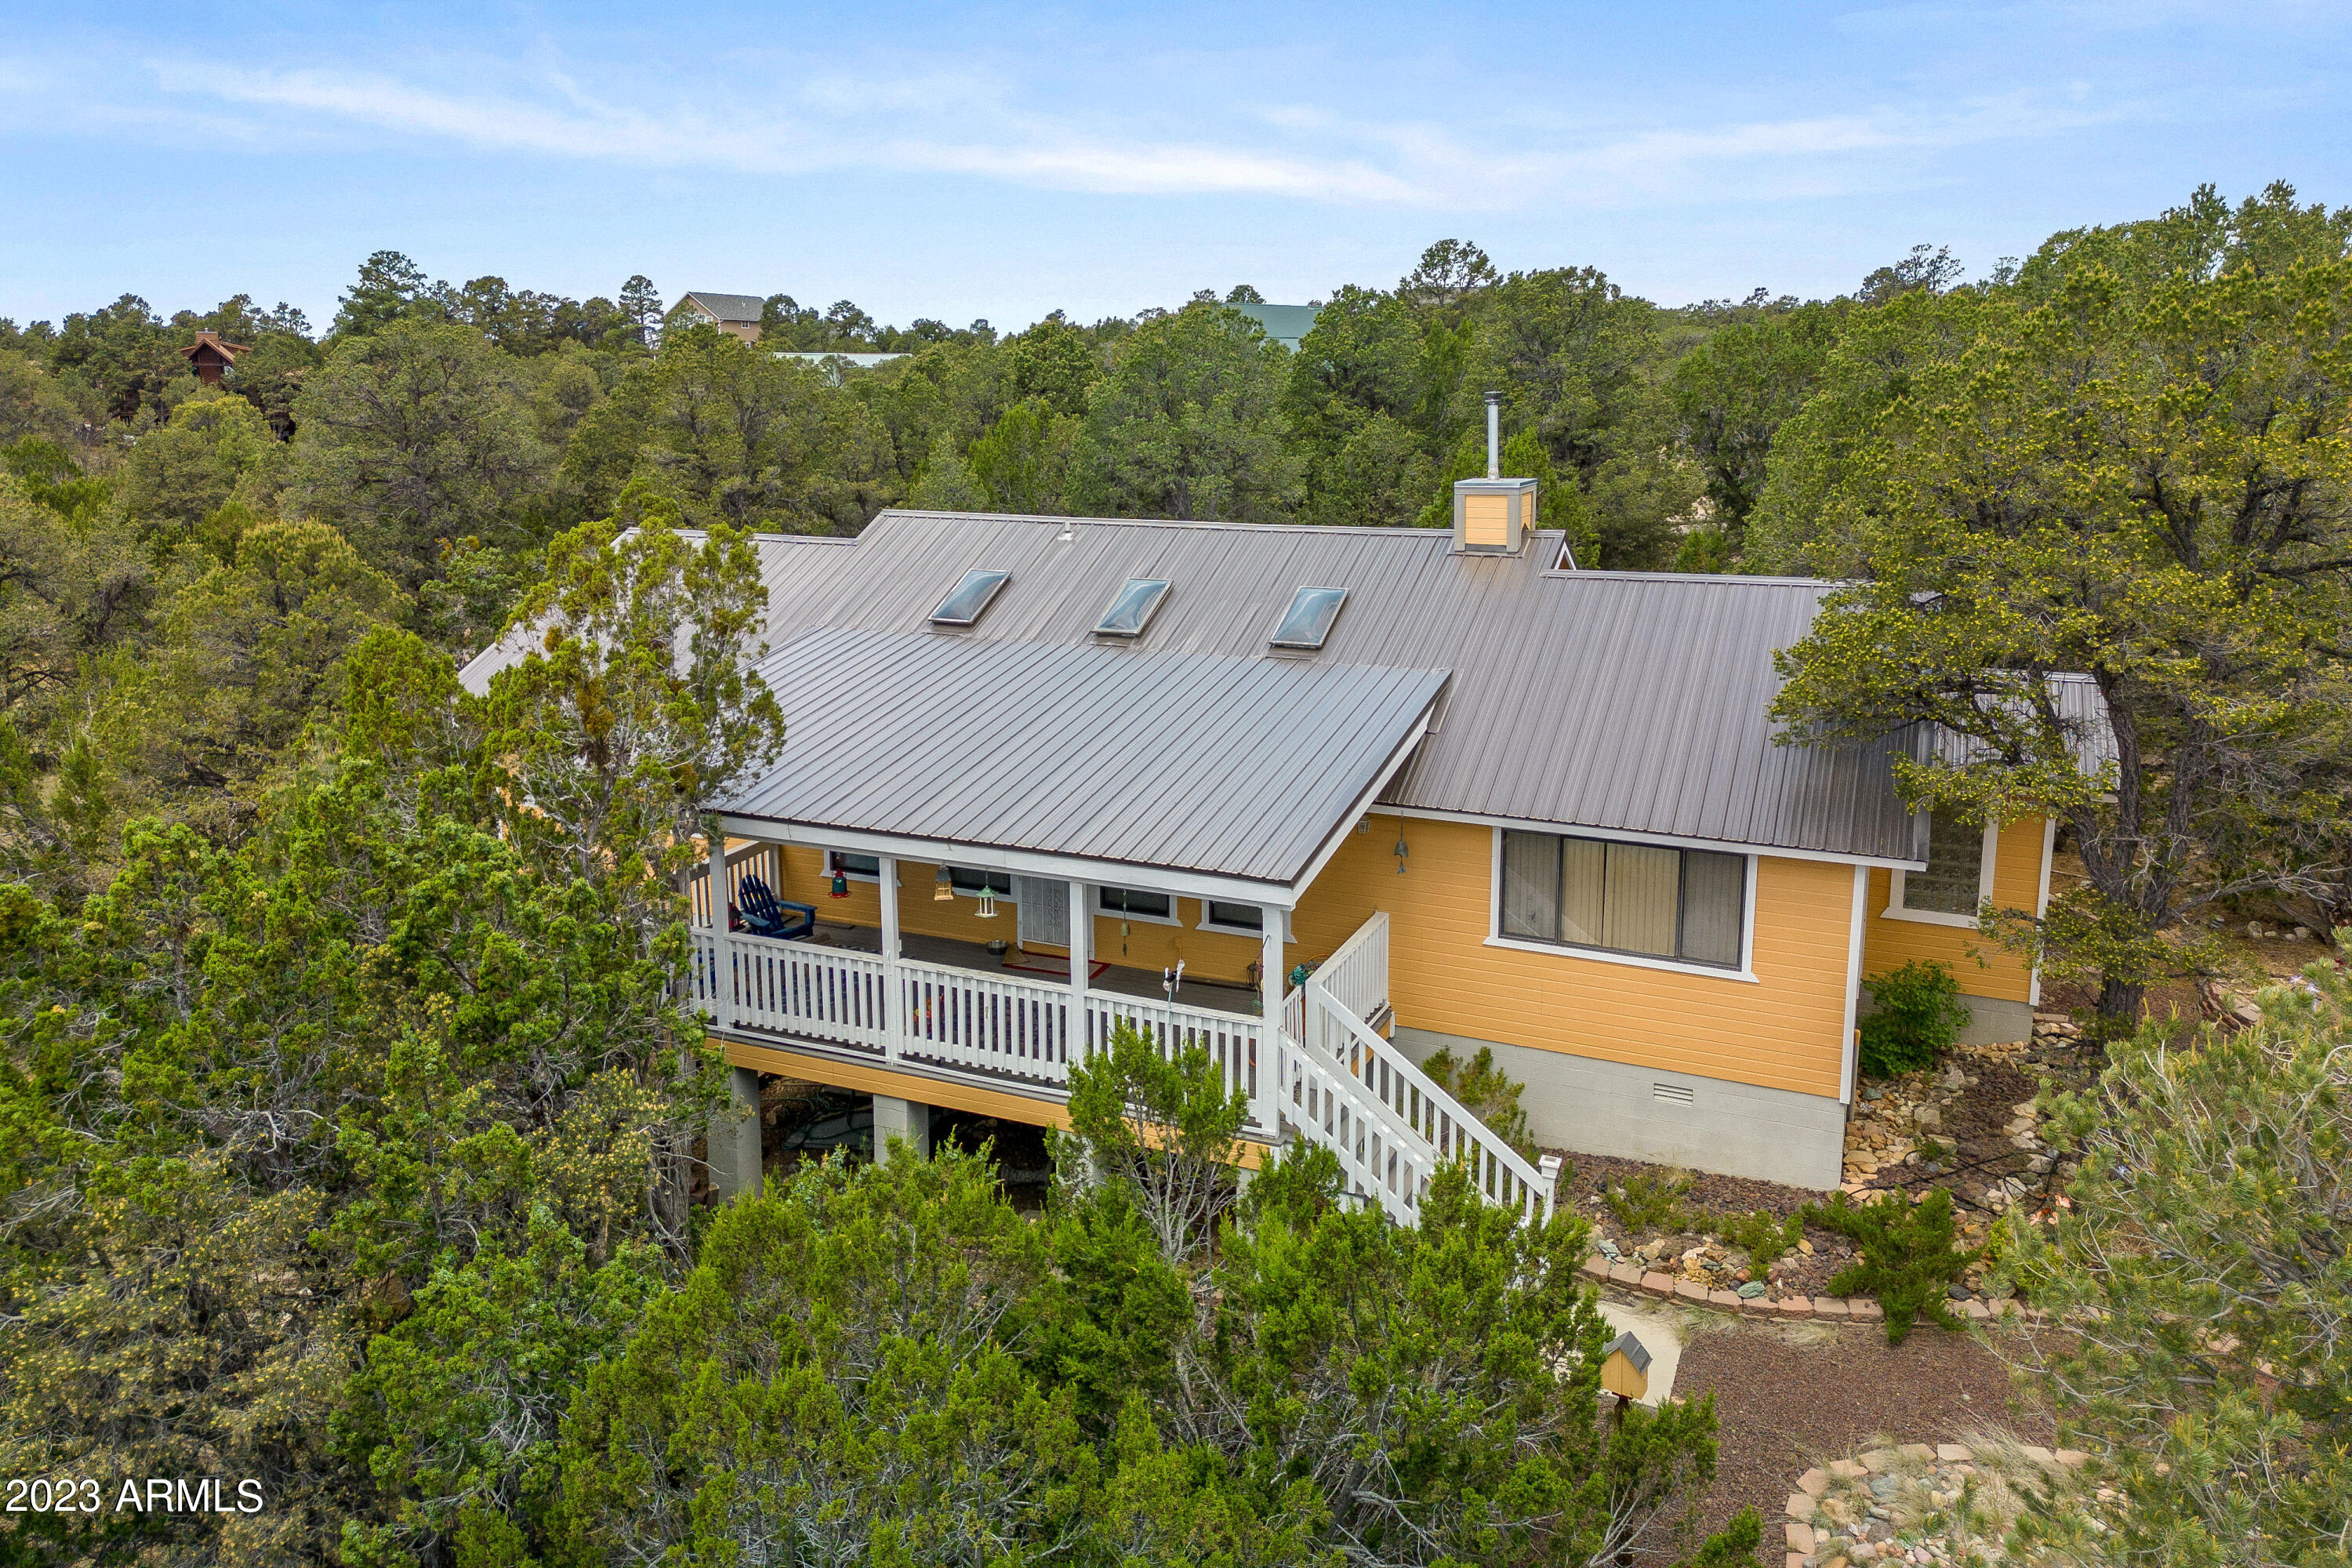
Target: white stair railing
pixel 1380 1091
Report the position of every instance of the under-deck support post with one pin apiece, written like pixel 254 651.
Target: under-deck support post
pixel 907 1121
pixel 732 1141
pixel 894 1001
pixel 1082 963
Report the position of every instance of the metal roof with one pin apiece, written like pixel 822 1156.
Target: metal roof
pixel 729 306
pixel 1229 766
pixel 1621 702
pixel 1286 324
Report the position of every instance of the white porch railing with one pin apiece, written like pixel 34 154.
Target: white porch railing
pixel 792 987
pixel 963 1020
pixel 1327 1073
pixel 765 861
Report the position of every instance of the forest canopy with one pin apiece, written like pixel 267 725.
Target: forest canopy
pixel 349 1130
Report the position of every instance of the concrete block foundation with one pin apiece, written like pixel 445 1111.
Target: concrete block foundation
pixel 1593 1107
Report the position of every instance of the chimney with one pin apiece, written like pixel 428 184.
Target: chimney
pixel 1493 516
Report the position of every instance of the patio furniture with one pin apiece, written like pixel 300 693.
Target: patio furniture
pixel 764 914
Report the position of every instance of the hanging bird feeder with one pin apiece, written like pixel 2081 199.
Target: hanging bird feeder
pixel 840 883
pixel 987 910
pixel 942 889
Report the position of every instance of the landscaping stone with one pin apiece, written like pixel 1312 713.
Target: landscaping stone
pixel 1750 1291
pixel 1627 1275
pixel 1658 1284
pixel 1596 1268
pixel 1688 1290
pixel 1794 1305
pixel 1863 1310
pixel 1829 1307
pixel 1952 1504
pixel 1800 1537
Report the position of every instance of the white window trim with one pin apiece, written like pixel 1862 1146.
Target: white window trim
pixel 1174 916
pixel 1746 972
pixel 1251 931
pixel 1011 896
pixel 1894 909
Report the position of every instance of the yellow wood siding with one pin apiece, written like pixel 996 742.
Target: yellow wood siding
pixel 1785 1030
pixel 1983 968
pixel 864 1079
pixel 1212 955
pixel 1486 519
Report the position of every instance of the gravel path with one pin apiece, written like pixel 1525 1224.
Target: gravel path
pixel 1789 1396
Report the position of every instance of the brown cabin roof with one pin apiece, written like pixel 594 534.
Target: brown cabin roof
pixel 214 342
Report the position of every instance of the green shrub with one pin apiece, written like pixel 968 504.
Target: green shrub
pixel 1487 1093
pixel 1919 1014
pixel 1649 1202
pixel 1908 1255
pixel 1764 1235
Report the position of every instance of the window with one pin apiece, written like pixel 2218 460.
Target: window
pixel 1308 620
pixel 1218 915
pixel 1684 904
pixel 1135 904
pixel 1131 611
pixel 964 606
pixel 1954 882
pixel 866 865
pixel 965 880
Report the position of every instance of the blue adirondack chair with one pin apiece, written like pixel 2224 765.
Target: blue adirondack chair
pixel 764 914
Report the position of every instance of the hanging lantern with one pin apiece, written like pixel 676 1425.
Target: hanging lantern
pixel 840 883
pixel 987 910
pixel 942 889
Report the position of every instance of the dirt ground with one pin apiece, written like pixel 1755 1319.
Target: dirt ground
pixel 1792 1395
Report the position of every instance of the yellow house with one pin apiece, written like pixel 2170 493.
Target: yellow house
pixel 1322 801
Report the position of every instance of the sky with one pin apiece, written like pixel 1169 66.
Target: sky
pixel 1000 163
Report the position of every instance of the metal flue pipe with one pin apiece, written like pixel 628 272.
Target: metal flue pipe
pixel 1494 435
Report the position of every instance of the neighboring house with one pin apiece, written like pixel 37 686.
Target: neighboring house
pixel 211 355
pixel 737 315
pixel 830 361
pixel 1379 792
pixel 1286 324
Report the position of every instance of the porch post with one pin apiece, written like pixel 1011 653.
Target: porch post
pixel 1082 955
pixel 1266 1106
pixel 893 997
pixel 722 961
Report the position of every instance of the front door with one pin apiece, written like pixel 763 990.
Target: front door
pixel 1044 905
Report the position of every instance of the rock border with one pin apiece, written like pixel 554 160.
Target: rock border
pixel 1828 1308
pixel 1818 1535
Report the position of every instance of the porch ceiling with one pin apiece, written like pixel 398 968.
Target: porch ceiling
pixel 1201 762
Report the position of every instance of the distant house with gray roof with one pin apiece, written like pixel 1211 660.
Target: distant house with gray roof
pixel 737 315
pixel 1286 324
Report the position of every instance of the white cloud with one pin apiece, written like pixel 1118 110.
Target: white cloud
pixel 962 121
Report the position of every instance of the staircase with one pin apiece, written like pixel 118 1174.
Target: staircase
pixel 1339 1083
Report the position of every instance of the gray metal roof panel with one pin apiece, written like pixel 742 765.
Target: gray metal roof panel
pixel 728 307
pixel 1633 702
pixel 1209 762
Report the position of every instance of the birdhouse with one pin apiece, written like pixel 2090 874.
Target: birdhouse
pixel 1625 1371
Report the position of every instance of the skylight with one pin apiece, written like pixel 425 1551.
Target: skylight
pixel 971 596
pixel 1131 611
pixel 1308 620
